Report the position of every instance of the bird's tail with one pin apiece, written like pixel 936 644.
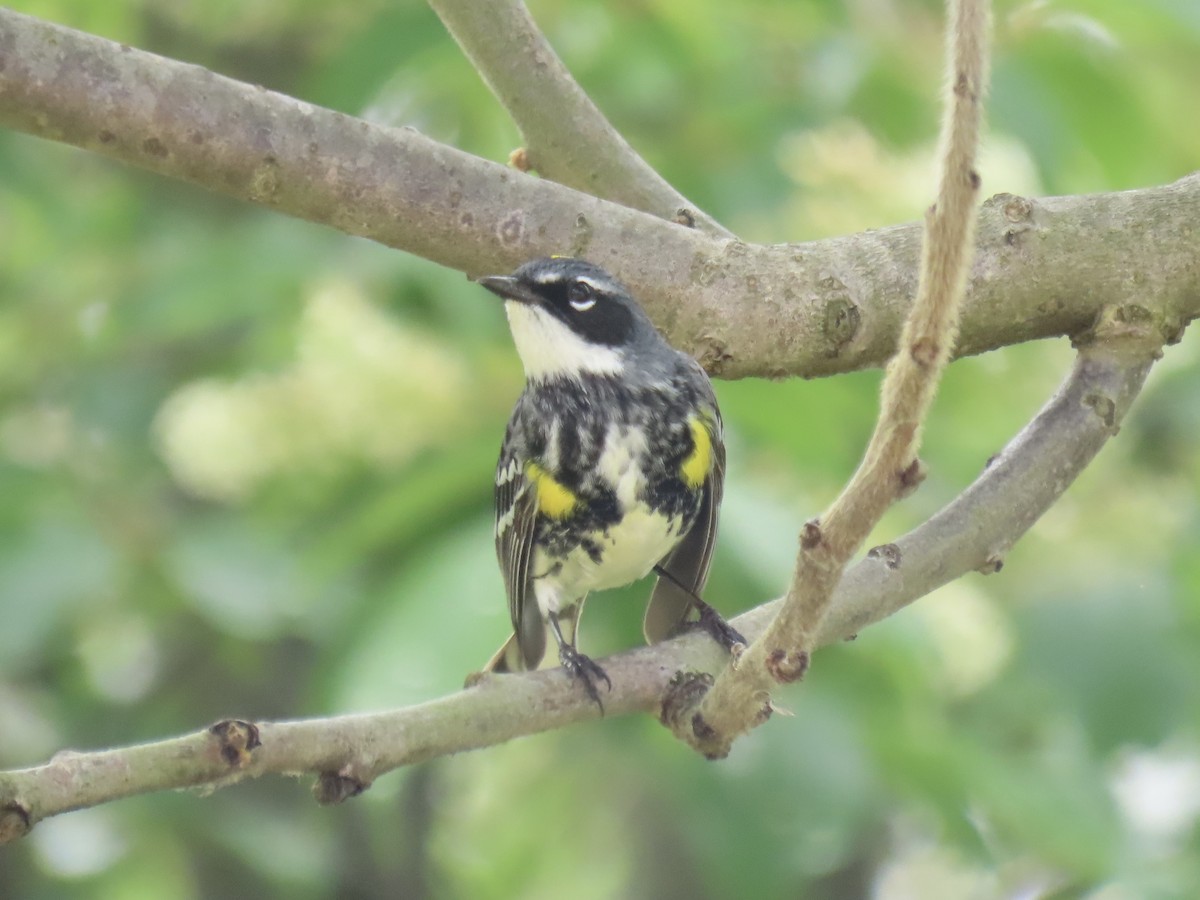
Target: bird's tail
pixel 509 657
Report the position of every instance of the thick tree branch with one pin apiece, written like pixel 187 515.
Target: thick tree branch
pixel 348 752
pixel 978 528
pixel 567 138
pixel 1043 267
pixel 975 531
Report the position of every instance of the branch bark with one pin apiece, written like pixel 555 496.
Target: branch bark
pixel 348 752
pixel 1043 267
pixel 567 138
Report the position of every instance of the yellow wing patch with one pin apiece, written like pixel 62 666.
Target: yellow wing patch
pixel 554 499
pixel 696 466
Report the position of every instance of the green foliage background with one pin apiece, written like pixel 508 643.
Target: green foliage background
pixel 245 469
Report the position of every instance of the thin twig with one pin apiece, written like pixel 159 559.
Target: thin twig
pixel 745 310
pixel 740 698
pixel 566 137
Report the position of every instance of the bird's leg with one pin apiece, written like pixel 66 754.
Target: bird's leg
pixel 720 630
pixel 578 665
pixel 710 620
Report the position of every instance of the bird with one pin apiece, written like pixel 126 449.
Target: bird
pixel 612 465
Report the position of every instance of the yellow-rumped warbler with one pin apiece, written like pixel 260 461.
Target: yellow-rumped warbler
pixel 612 465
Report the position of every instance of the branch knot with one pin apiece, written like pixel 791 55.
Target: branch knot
pixel 236 741
pixel 811 535
pixel 332 788
pixel 786 666
pixel 14 822
pixel 911 477
pixel 889 554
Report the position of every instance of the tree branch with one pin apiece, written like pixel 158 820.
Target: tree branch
pixel 1043 267
pixel 348 752
pixel 566 137
pixel 740 698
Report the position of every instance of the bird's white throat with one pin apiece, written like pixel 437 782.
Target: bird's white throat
pixel 550 349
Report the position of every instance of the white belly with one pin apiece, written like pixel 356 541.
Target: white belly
pixel 630 550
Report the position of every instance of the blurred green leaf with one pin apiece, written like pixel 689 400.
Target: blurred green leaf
pixel 453 599
pixel 46 576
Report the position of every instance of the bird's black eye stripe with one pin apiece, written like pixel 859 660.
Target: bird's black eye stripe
pixel 581 296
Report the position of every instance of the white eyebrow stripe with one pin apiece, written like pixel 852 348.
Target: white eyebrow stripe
pixel 603 285
pixel 593 283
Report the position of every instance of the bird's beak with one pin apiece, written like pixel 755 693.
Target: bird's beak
pixel 509 288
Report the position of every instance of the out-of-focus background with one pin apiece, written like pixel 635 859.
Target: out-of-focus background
pixel 246 463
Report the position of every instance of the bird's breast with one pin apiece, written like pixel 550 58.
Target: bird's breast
pixel 621 465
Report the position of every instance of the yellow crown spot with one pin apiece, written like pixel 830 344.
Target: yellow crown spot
pixel 695 467
pixel 554 499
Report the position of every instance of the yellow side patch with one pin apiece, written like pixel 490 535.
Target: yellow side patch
pixel 697 464
pixel 554 499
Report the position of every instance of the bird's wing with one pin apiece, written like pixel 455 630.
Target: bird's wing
pixel 516 519
pixel 689 562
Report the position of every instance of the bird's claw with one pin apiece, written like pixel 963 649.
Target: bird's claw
pixel 586 670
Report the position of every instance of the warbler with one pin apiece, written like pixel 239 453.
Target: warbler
pixel 613 464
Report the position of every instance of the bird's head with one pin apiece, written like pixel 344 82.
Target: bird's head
pixel 570 318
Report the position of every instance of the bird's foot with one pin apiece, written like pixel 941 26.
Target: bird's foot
pixel 720 630
pixel 586 670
